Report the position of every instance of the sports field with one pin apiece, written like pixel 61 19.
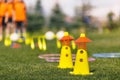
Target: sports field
pixel 24 64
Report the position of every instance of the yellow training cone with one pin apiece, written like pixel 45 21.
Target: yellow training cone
pixel 44 44
pixel 27 38
pixel 32 44
pixel 66 55
pixel 27 41
pixel 39 44
pixel 58 44
pixel 81 64
pixel 7 42
pixel 65 58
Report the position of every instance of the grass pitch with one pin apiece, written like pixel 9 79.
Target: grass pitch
pixel 24 64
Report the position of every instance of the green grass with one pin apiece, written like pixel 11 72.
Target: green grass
pixel 24 64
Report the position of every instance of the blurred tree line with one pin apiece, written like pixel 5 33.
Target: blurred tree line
pixel 36 21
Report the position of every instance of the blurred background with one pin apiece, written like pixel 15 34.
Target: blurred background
pixel 92 15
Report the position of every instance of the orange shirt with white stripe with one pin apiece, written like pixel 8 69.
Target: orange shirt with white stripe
pixel 19 11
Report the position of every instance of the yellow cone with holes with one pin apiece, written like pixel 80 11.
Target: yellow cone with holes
pixel 81 64
pixel 65 58
pixel 66 55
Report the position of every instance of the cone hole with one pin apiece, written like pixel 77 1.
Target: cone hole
pixel 66 55
pixel 81 60
pixel 66 48
pixel 81 51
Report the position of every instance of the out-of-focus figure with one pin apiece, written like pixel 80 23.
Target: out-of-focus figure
pixel 20 17
pixel 2 16
pixel 110 20
pixel 96 24
pixel 0 23
pixel 9 18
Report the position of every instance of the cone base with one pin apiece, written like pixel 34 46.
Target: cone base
pixel 73 73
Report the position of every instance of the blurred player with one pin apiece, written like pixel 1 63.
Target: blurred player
pixel 9 17
pixel 2 16
pixel 0 23
pixel 20 17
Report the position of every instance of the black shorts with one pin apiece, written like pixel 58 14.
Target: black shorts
pixel 10 20
pixel 19 23
pixel 3 22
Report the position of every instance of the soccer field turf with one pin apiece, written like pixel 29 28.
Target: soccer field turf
pixel 24 64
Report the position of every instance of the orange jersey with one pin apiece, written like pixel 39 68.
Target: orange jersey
pixel 3 9
pixel 20 11
pixel 10 9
